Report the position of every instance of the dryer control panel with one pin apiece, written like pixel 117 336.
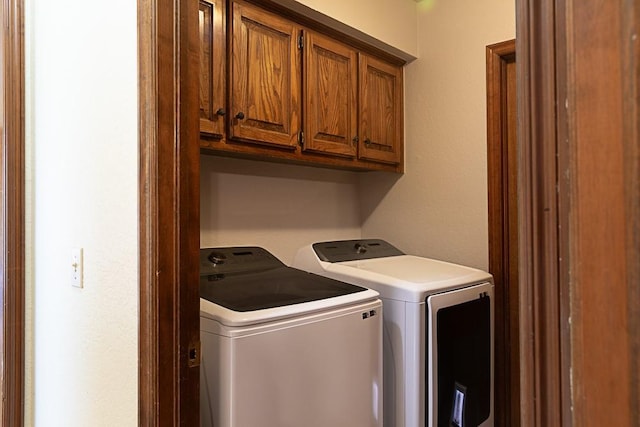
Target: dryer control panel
pixel 352 250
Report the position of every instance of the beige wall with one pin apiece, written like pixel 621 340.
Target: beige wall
pixel 279 207
pixel 391 21
pixel 439 207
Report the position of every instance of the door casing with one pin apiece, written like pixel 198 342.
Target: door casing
pixel 12 212
pixel 503 228
pixel 169 208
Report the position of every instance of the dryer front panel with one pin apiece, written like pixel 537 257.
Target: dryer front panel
pixel 460 374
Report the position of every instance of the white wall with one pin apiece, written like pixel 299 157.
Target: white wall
pixel 82 145
pixel 439 207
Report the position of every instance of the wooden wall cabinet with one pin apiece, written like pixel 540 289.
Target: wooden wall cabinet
pixel 265 78
pixel 330 95
pixel 212 24
pixel 296 94
pixel 381 122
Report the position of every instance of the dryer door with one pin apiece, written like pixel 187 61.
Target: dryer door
pixel 459 379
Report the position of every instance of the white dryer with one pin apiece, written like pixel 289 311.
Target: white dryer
pixel 285 348
pixel 438 330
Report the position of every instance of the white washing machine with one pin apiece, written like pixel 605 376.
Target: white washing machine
pixel 285 348
pixel 438 330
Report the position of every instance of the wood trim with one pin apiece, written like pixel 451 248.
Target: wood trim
pixel 563 46
pixel 602 145
pixel 502 238
pixel 579 130
pixel 545 373
pixel 12 236
pixel 631 140
pixel 169 212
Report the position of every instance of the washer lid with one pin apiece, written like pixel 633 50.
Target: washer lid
pixel 246 279
pixel 277 287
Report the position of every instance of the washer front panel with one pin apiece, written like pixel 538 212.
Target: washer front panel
pixel 317 371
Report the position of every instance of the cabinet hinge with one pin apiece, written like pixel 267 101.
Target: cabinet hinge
pixel 301 41
pixel 301 138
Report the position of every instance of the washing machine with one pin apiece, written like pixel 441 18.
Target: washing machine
pixel 285 348
pixel 438 330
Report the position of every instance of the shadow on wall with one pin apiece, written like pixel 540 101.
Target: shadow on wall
pixel 282 207
pixel 254 202
pixel 373 188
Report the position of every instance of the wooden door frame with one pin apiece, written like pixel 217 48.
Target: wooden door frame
pixel 599 150
pixel 544 330
pixel 12 235
pixel 501 236
pixel 557 210
pixel 631 137
pixel 169 202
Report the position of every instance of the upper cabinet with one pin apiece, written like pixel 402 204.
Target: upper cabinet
pixel 380 111
pixel 212 67
pixel 330 94
pixel 296 93
pixel 265 78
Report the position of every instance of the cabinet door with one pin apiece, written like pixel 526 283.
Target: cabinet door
pixel 212 67
pixel 381 130
pixel 330 87
pixel 265 78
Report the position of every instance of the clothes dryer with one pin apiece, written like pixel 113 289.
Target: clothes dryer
pixel 438 330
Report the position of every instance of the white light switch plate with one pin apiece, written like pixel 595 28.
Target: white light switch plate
pixel 76 268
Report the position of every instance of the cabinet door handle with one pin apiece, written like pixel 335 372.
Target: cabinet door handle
pixel 221 112
pixel 355 140
pixel 240 115
pixel 367 141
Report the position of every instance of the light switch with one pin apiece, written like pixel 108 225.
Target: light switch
pixel 76 267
